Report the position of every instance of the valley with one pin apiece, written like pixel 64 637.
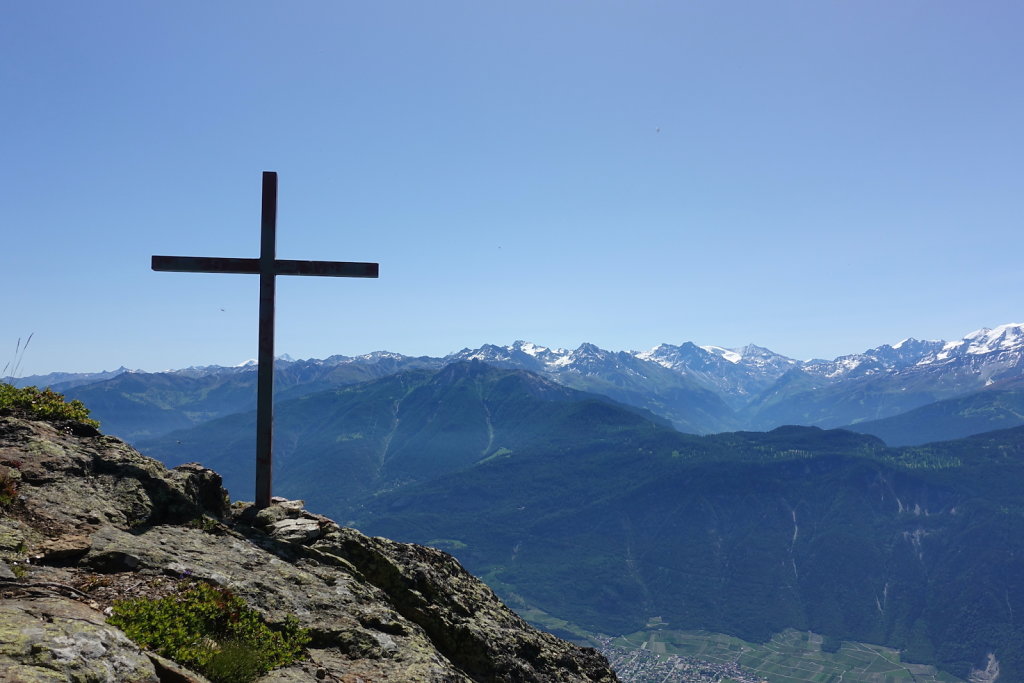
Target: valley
pixel 660 654
pixel 909 548
pixel 666 656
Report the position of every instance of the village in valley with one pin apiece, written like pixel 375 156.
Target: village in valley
pixel 668 656
pixel 643 665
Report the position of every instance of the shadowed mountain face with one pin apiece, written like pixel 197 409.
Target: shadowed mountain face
pixel 953 418
pixel 138 406
pixel 918 548
pixel 340 446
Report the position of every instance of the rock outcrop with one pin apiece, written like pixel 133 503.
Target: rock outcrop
pixel 93 521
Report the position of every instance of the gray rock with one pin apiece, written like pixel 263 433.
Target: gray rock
pixel 101 514
pixel 64 548
pixel 172 672
pixel 295 530
pixel 56 639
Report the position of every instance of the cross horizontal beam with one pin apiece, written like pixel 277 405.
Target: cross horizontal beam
pixel 251 266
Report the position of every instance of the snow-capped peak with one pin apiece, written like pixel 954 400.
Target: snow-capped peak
pixel 530 348
pixel 980 342
pixel 252 362
pixel 999 338
pixel 727 354
pixel 376 356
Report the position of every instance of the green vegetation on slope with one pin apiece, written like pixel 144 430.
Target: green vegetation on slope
pixel 43 404
pixel 749 534
pixel 212 631
pixel 953 418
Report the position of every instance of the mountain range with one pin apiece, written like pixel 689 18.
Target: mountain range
pixel 699 389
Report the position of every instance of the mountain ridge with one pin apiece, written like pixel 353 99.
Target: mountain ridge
pixel 403 428
pixel 699 389
pixel 1008 336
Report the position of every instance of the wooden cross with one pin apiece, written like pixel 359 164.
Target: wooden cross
pixel 267 267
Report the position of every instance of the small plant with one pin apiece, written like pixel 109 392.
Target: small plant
pixel 19 355
pixel 212 631
pixel 94 582
pixel 44 404
pixel 204 523
pixel 8 488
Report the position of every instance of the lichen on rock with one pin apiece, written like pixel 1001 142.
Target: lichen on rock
pixel 57 639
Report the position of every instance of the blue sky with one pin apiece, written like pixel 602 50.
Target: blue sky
pixel 817 177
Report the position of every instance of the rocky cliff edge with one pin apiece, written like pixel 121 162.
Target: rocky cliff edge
pixel 93 521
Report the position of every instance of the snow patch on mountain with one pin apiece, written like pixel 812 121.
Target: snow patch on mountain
pixel 530 348
pixel 1004 338
pixel 846 365
pixel 560 361
pixel 1000 338
pixel 728 354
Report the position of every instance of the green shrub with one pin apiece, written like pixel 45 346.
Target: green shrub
pixel 8 488
pixel 212 631
pixel 44 404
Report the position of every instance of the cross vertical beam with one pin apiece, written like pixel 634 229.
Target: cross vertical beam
pixel 267 266
pixel 265 357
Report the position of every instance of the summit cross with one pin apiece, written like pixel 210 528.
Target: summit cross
pixel 267 266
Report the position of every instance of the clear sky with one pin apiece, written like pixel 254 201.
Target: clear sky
pixel 814 176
